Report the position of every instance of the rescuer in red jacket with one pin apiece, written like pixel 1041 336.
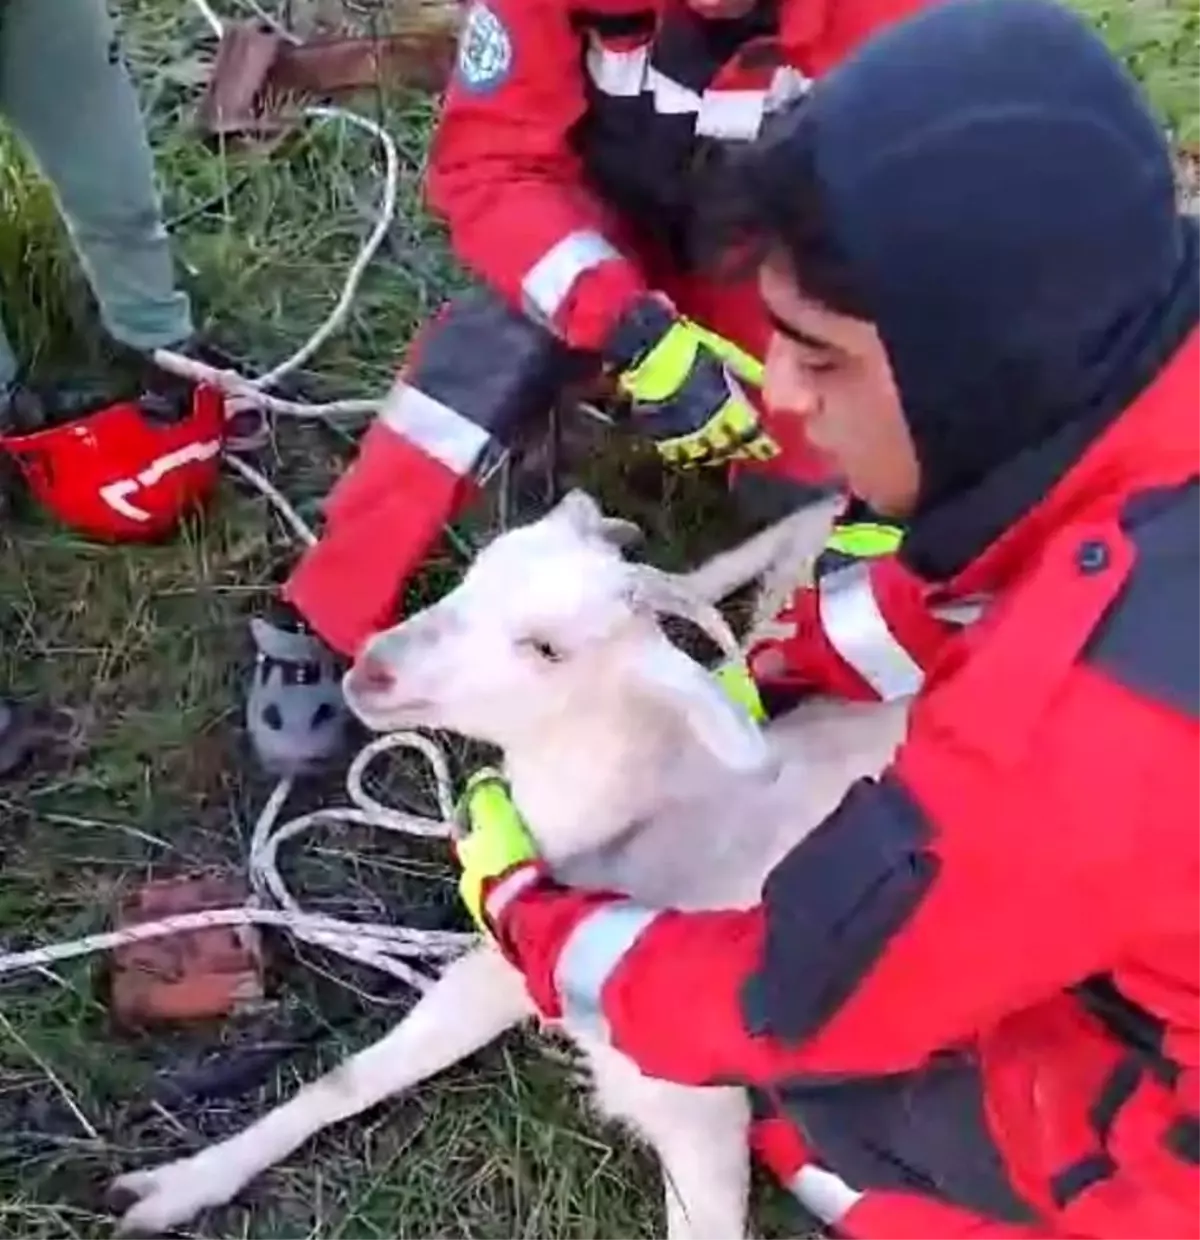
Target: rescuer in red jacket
pixel 973 993
pixel 569 164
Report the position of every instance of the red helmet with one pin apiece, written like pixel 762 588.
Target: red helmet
pixel 128 471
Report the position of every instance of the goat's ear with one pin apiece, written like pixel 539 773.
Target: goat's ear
pixel 719 724
pixel 582 512
pixel 620 533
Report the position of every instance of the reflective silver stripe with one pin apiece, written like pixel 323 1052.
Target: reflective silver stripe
pixel 591 954
pixel 823 1193
pixel 670 98
pixel 500 896
pixel 549 280
pixel 737 115
pixel 963 612
pixel 454 440
pixel 626 74
pixel 731 115
pixel 621 73
pixel 724 114
pixel 855 626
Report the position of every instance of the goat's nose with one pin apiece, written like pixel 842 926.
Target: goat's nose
pixel 372 675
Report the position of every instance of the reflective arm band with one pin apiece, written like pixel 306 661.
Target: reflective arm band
pixel 823 1193
pixel 435 428
pixel 857 630
pixel 548 283
pixel 590 956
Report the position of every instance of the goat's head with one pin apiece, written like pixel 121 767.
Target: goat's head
pixel 549 616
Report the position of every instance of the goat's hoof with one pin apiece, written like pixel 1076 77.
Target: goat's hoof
pixel 165 1196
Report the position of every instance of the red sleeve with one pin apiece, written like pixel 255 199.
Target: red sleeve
pixel 884 936
pixel 865 632
pixel 503 175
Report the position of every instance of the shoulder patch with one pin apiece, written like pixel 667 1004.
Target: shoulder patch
pixel 1147 640
pixel 485 50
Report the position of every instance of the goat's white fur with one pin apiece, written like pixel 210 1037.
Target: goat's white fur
pixel 623 794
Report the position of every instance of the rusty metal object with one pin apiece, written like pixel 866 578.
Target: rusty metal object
pixel 260 76
pixel 236 100
pixel 201 975
pixel 420 60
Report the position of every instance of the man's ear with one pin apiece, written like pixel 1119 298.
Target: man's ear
pixel 723 727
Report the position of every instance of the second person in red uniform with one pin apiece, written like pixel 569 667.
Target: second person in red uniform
pixel 569 164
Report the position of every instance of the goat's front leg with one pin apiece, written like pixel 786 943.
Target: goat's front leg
pixel 476 999
pixel 701 1137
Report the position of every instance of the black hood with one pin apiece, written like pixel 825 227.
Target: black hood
pixel 1005 199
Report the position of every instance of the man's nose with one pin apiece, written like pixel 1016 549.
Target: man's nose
pixel 787 390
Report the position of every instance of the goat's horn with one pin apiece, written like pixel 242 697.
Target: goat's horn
pixel 582 511
pixel 664 593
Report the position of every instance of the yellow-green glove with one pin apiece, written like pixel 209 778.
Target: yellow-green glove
pixel 734 677
pixel 684 385
pixel 744 365
pixel 497 839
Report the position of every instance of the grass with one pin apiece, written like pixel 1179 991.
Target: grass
pixel 148 648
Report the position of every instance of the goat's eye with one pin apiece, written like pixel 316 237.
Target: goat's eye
pixel 543 649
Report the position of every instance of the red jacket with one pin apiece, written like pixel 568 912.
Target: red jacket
pixel 1024 879
pixel 547 173
pixel 865 630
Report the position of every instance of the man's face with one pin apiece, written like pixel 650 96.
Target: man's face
pixel 833 372
pixel 721 8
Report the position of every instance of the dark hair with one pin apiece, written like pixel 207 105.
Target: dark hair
pixel 767 198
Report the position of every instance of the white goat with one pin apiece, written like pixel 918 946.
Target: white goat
pixel 634 771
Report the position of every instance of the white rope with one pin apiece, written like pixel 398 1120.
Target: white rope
pixel 384 947
pixel 388 948
pixel 210 16
pixel 252 392
pixel 297 523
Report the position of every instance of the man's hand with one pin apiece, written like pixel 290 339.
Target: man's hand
pixel 683 381
pixel 498 840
